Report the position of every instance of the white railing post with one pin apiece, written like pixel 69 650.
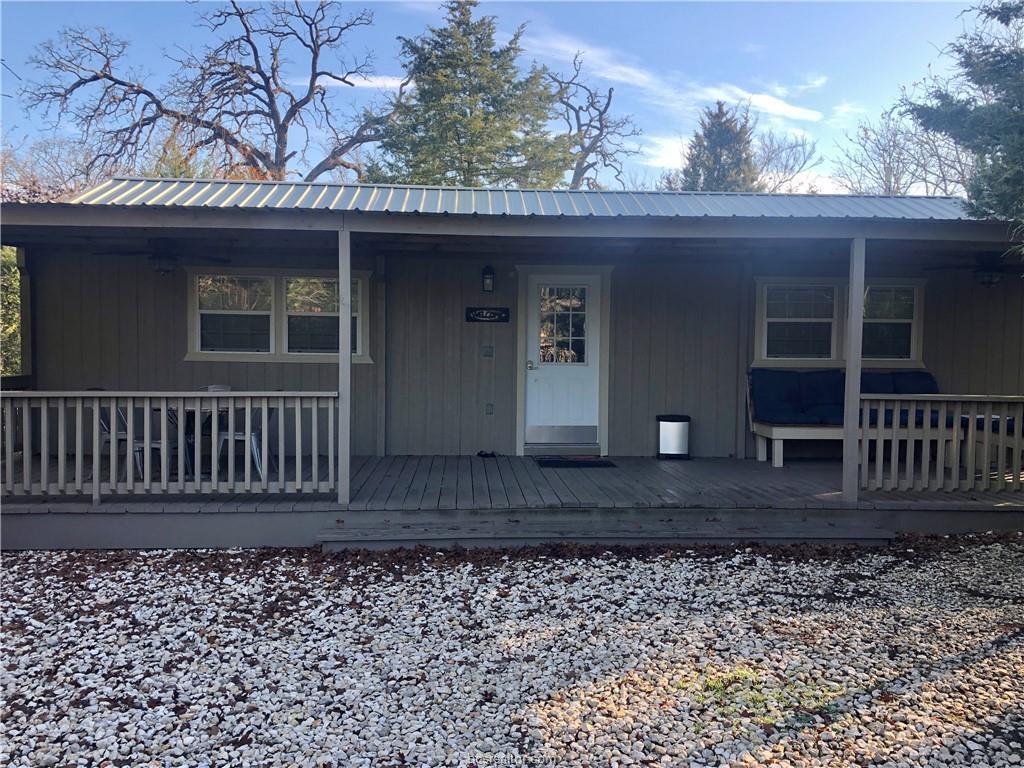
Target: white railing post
pixel 851 403
pixel 344 364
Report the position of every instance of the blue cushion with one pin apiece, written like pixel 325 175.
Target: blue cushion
pixel 827 413
pixel 914 383
pixel 877 383
pixel 822 387
pixel 775 396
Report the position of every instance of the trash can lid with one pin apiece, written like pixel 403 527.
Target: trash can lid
pixel 672 417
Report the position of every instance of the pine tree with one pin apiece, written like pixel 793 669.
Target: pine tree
pixel 721 155
pixel 473 118
pixel 981 109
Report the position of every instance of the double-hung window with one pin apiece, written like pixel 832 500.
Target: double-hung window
pixel 235 313
pixel 802 322
pixel 280 317
pixel 311 306
pixel 799 322
pixel 890 321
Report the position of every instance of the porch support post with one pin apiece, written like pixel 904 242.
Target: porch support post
pixel 344 364
pixel 851 403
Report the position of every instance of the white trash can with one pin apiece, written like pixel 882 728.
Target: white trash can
pixel 673 436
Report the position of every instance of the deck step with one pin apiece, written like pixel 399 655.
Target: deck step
pixel 484 533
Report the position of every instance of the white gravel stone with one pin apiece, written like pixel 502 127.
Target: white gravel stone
pixel 912 656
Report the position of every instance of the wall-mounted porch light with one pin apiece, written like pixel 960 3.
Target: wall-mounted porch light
pixel 487 279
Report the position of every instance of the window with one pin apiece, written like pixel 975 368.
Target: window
pixel 799 321
pixel 312 309
pixel 563 324
pixel 282 317
pixel 235 313
pixel 802 322
pixel 889 322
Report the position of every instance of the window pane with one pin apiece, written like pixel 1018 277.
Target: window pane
pixel 562 325
pixel 547 326
pixel 355 297
pixel 887 340
pixel 800 340
pixel 889 303
pixel 800 302
pixel 547 351
pixel 312 334
pixel 355 334
pixel 234 333
pixel 312 294
pixel 234 293
pixel 579 325
pixel 578 348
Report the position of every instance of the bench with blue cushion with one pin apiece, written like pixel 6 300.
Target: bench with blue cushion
pixel 788 404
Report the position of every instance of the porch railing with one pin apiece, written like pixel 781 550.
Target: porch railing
pixel 104 443
pixel 941 442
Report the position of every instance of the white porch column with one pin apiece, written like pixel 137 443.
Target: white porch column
pixel 851 403
pixel 344 364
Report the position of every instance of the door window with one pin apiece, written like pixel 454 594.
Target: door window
pixel 563 325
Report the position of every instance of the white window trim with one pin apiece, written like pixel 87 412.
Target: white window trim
pixel 761 360
pixel 279 318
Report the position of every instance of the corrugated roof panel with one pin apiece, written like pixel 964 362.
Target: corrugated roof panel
pixel 408 199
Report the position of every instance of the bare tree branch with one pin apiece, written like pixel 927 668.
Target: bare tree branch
pixel 782 160
pixel 599 139
pixel 235 95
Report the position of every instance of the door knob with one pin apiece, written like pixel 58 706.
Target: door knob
pixel 530 365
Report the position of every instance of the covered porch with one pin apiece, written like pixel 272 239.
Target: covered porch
pixel 133 405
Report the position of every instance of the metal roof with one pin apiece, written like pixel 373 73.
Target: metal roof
pixel 459 201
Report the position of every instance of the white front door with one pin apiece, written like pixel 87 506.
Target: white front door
pixel 563 347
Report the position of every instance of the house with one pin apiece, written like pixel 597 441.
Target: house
pixel 186 386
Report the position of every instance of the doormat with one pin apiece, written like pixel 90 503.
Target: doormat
pixel 568 462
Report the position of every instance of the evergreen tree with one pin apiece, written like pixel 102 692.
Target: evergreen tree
pixel 472 118
pixel 721 155
pixel 982 109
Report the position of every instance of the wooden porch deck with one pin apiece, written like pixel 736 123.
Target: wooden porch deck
pixel 433 483
pixel 472 483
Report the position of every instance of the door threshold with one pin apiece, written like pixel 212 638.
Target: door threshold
pixel 561 449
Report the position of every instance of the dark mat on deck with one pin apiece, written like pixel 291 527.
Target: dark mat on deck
pixel 569 462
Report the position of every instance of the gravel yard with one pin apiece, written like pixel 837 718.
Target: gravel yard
pixel 912 655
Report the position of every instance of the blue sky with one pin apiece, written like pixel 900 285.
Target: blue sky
pixel 812 68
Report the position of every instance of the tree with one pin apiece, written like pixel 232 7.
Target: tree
pixel 896 156
pixel 720 157
pixel 472 118
pixel 175 160
pixel 52 168
pixel 782 160
pixel 233 97
pixel 10 312
pixel 878 158
pixel 599 139
pixel 982 109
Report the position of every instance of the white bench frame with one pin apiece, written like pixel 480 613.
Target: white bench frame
pixel 778 433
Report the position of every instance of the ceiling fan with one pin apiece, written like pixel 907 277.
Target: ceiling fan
pixel 163 253
pixel 987 268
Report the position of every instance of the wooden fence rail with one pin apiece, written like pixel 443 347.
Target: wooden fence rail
pixel 102 443
pixel 941 442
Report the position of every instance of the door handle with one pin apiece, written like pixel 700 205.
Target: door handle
pixel 530 365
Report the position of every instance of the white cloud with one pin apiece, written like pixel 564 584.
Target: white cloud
pixel 683 97
pixel 811 83
pixel 662 151
pixel 385 82
pixel 754 48
pixel 844 112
